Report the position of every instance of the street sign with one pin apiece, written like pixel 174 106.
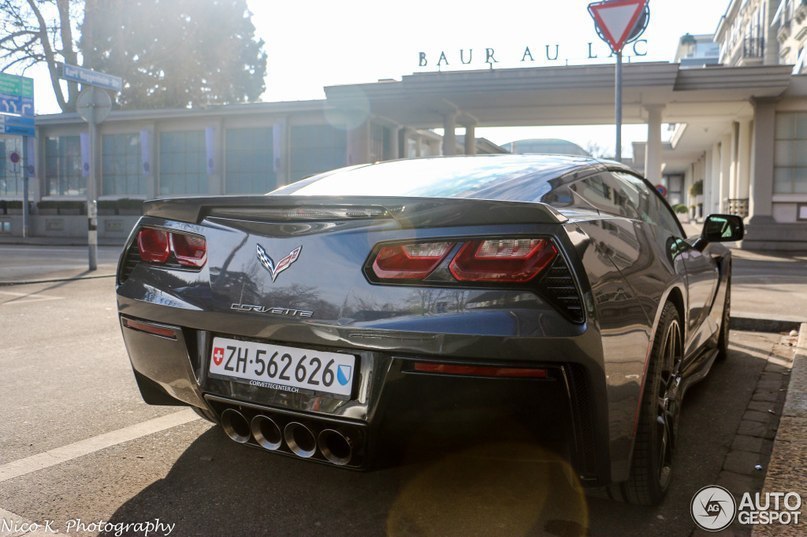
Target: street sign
pixel 89 77
pixel 16 95
pixel 93 105
pixel 17 125
pixel 662 190
pixel 617 19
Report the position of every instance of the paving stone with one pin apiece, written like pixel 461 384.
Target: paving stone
pixel 761 417
pixel 752 443
pixel 760 406
pixel 765 395
pixel 771 367
pixel 769 385
pixel 741 462
pixel 752 428
pixel 739 483
pixel 770 377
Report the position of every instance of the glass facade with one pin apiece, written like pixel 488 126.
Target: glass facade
pixel 11 181
pixel 63 175
pixel 315 149
pixel 790 154
pixel 122 164
pixel 249 161
pixel 183 168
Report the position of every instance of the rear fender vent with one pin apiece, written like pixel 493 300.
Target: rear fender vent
pixel 130 261
pixel 557 286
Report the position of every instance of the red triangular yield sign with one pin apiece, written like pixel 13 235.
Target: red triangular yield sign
pixel 616 19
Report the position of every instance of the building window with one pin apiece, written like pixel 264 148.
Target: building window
pixel 121 164
pixel 249 167
pixel 315 149
pixel 11 180
pixel 790 154
pixel 182 163
pixel 63 175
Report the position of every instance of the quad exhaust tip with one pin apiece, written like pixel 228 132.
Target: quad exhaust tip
pixel 335 446
pixel 300 440
pixel 235 425
pixel 266 432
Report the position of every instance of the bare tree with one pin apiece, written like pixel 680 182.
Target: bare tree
pixel 39 31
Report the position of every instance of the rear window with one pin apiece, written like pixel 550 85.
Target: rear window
pixel 494 177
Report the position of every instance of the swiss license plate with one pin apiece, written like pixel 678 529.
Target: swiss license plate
pixel 283 368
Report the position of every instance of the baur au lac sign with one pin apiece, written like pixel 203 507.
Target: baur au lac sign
pixel 548 54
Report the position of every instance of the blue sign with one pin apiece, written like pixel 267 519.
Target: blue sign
pixel 20 126
pixel 89 77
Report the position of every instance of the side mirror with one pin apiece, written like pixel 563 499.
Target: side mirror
pixel 722 228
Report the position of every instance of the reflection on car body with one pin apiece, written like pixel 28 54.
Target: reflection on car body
pixel 432 280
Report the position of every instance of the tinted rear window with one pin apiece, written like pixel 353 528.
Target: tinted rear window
pixel 488 177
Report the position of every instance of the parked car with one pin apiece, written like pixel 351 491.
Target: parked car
pixel 304 320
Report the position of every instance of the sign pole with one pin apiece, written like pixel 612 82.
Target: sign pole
pixel 92 204
pixel 25 216
pixel 618 106
pixel 619 22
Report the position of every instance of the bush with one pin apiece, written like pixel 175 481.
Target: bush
pixel 681 208
pixel 697 188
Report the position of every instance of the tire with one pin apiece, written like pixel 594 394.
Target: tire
pixel 651 467
pixel 725 324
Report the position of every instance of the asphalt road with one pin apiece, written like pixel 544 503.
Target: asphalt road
pixel 65 381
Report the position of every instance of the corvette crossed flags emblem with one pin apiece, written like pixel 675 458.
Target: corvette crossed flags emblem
pixel 283 264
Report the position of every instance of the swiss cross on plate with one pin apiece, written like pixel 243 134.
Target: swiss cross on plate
pixel 218 355
pixel 617 19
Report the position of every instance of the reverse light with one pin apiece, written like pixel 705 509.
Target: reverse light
pixel 190 250
pixel 409 261
pixel 502 260
pixel 158 245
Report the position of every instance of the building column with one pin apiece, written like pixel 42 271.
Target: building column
pixel 744 159
pixel 358 144
pixel 652 158
pixel 708 182
pixel 449 134
pixel 714 179
pixel 403 142
pixel 735 164
pixel 760 209
pixel 725 172
pixel 418 145
pixel 470 140
pixel 393 150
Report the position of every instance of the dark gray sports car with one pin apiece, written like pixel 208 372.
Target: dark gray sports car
pixel 559 293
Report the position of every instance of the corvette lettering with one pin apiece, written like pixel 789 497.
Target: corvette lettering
pixel 284 312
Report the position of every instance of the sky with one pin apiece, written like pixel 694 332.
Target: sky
pixel 315 43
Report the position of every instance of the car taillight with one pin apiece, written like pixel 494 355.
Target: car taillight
pixel 480 371
pixel 153 245
pixel 409 261
pixel 502 260
pixel 157 246
pixel 190 250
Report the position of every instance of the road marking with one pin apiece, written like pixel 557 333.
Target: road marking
pixel 91 445
pixel 22 527
pixel 26 298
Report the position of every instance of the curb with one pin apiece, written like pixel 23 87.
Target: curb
pixel 754 324
pixel 786 467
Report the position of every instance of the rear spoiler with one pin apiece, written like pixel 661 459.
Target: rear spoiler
pixel 410 212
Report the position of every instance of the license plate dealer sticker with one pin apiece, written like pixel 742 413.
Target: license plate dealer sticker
pixel 283 368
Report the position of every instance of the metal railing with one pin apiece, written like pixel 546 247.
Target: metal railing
pixel 738 206
pixel 753 47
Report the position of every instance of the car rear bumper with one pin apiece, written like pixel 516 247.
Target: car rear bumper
pixel 170 361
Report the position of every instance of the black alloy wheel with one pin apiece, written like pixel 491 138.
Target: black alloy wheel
pixel 651 468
